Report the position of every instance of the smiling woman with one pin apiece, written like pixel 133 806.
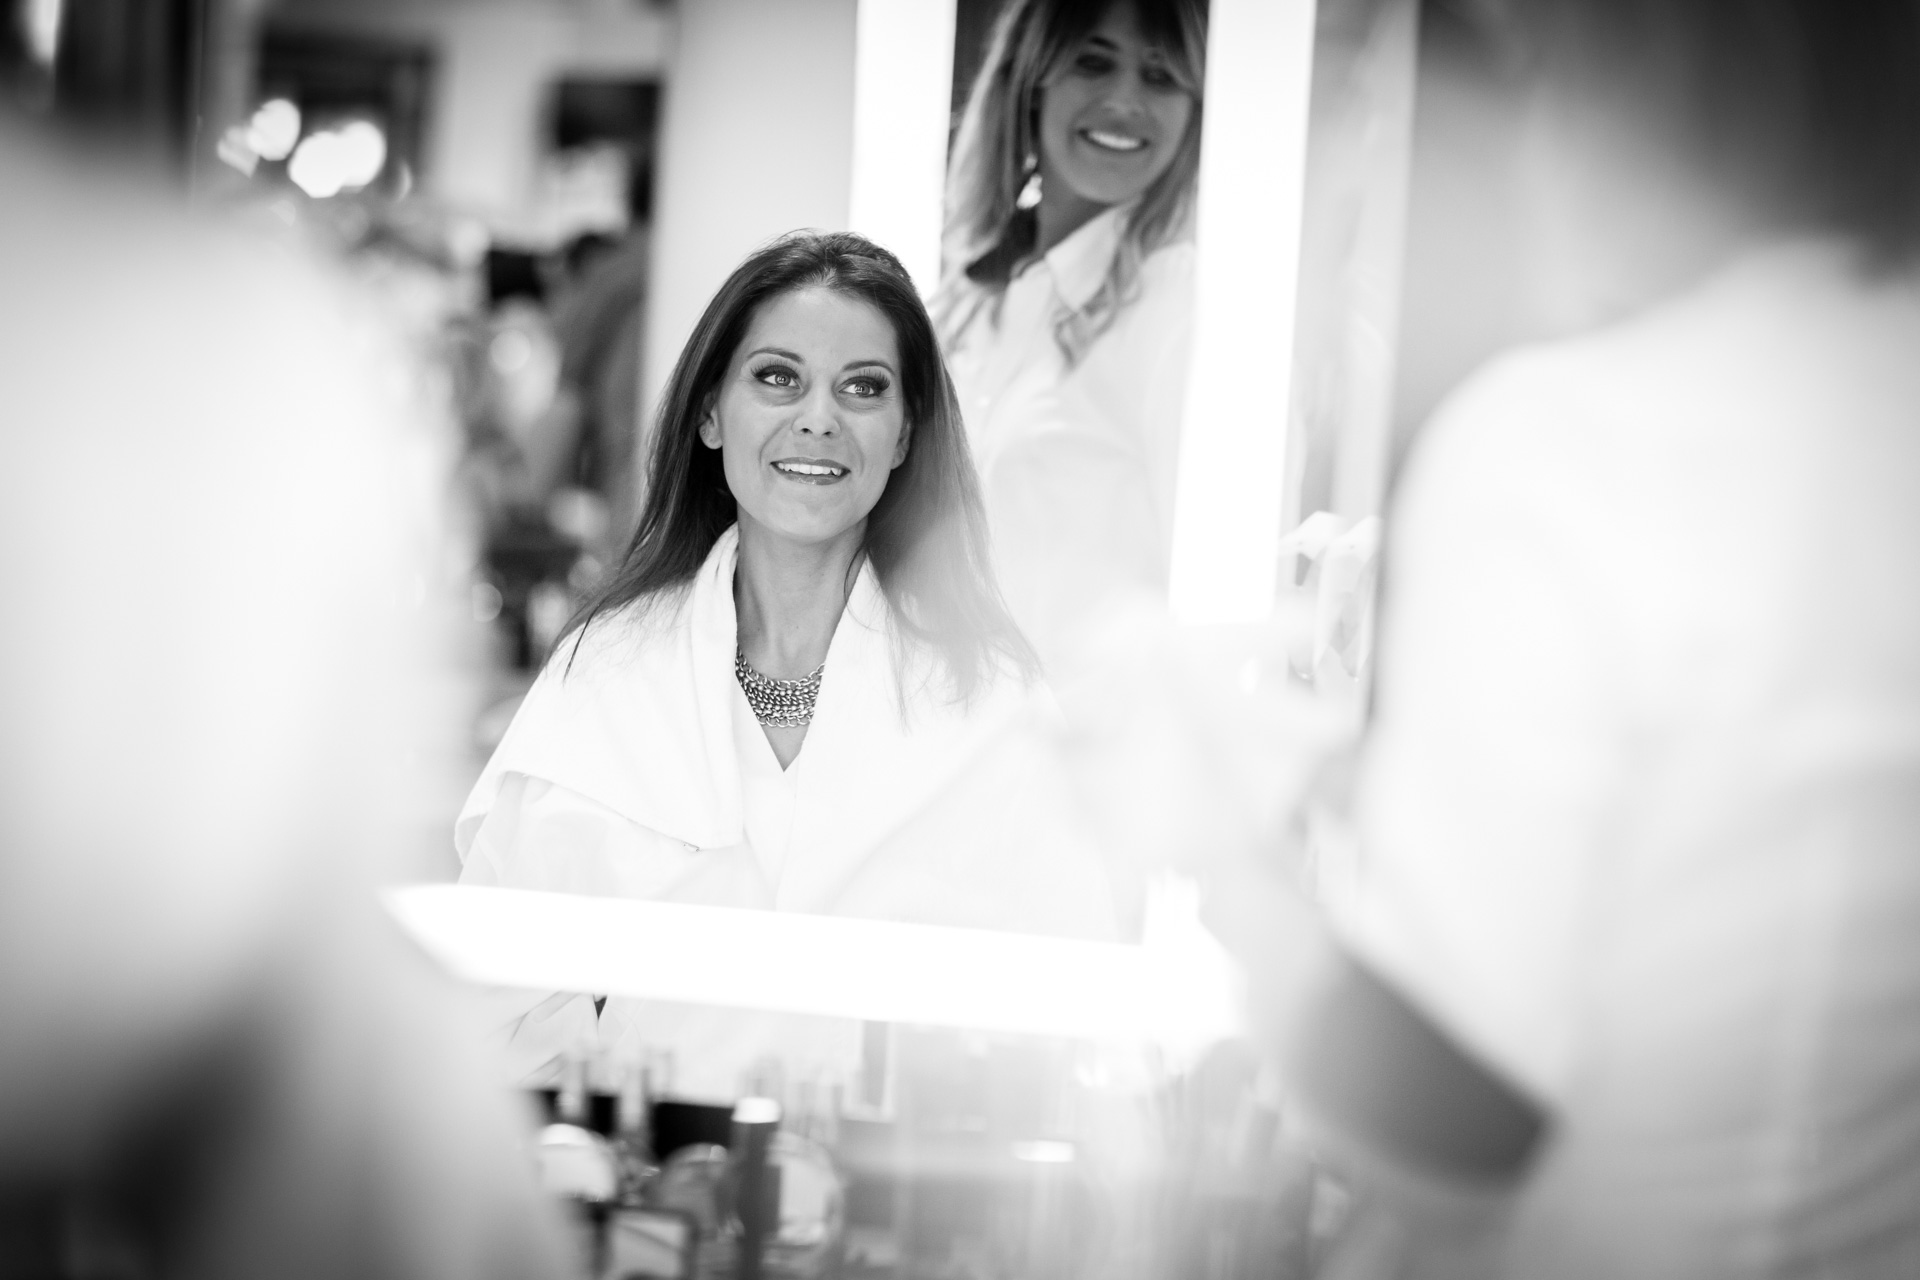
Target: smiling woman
pixel 800 691
pixel 809 426
pixel 1066 307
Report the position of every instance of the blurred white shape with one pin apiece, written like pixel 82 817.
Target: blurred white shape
pixel 579 513
pixel 487 602
pixel 236 152
pixel 1344 567
pixel 273 129
pixel 336 160
pixel 1311 536
pixel 316 166
pixel 1231 488
pixel 1250 675
pixel 797 963
pixel 1184 947
pixel 509 351
pixel 576 1162
pixel 1043 1152
pixel 363 152
pixel 548 608
pixel 756 1111
pixel 903 67
pixel 1342 618
pixel 582 189
pixel 468 240
pixel 41 21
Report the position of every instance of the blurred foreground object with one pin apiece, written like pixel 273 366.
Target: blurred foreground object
pixel 1628 974
pixel 217 1058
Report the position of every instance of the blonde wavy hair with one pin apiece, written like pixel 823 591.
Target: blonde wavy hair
pixel 987 236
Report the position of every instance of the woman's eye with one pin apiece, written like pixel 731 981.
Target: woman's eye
pixel 1093 64
pixel 1159 77
pixel 778 376
pixel 866 388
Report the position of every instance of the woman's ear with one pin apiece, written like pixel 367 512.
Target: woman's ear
pixel 710 431
pixel 900 445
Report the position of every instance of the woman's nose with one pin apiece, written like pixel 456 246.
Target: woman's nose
pixel 1127 92
pixel 818 415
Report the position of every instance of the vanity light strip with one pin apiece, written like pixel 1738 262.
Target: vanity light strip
pixel 789 962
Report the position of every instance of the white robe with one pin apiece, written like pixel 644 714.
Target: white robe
pixel 621 776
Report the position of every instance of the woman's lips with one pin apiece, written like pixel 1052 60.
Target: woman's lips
pixel 1112 140
pixel 811 470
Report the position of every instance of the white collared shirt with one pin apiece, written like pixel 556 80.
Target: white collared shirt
pixel 1078 465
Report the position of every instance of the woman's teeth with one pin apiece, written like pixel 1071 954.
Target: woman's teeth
pixel 1113 141
pixel 810 469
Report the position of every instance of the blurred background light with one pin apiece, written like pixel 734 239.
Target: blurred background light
pixel 274 129
pixel 41 20
pixel 510 351
pixel 487 602
pixel 468 241
pixel 1043 1152
pixel 335 160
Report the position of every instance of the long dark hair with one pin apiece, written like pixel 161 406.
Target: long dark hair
pixel 986 234
pixel 927 536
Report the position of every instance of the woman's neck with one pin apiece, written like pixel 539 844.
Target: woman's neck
pixel 788 598
pixel 1062 210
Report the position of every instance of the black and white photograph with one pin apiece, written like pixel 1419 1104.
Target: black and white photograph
pixel 960 640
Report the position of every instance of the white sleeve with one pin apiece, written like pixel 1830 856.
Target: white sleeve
pixel 1493 763
pixel 540 835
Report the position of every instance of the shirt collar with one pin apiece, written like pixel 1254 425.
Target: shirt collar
pixel 1079 263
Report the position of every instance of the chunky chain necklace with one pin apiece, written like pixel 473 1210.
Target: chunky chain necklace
pixel 778 704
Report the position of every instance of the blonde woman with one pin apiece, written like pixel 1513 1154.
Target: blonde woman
pixel 1066 305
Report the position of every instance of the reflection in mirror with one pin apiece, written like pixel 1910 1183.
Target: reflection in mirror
pixel 1065 302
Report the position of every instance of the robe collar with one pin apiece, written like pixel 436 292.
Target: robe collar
pixel 642 724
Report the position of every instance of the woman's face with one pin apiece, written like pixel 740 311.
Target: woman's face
pixel 810 420
pixel 1112 114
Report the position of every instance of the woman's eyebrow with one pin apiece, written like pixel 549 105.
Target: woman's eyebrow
pixel 782 352
pixel 1103 42
pixel 868 364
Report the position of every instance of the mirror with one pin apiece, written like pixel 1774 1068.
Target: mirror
pixel 545 144
pixel 589 174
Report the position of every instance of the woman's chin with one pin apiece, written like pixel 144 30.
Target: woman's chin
pixel 804 528
pixel 1110 180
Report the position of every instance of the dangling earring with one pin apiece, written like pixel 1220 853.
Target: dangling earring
pixel 1029 195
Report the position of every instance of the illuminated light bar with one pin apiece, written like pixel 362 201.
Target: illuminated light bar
pixel 902 67
pixel 1253 162
pixel 793 963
